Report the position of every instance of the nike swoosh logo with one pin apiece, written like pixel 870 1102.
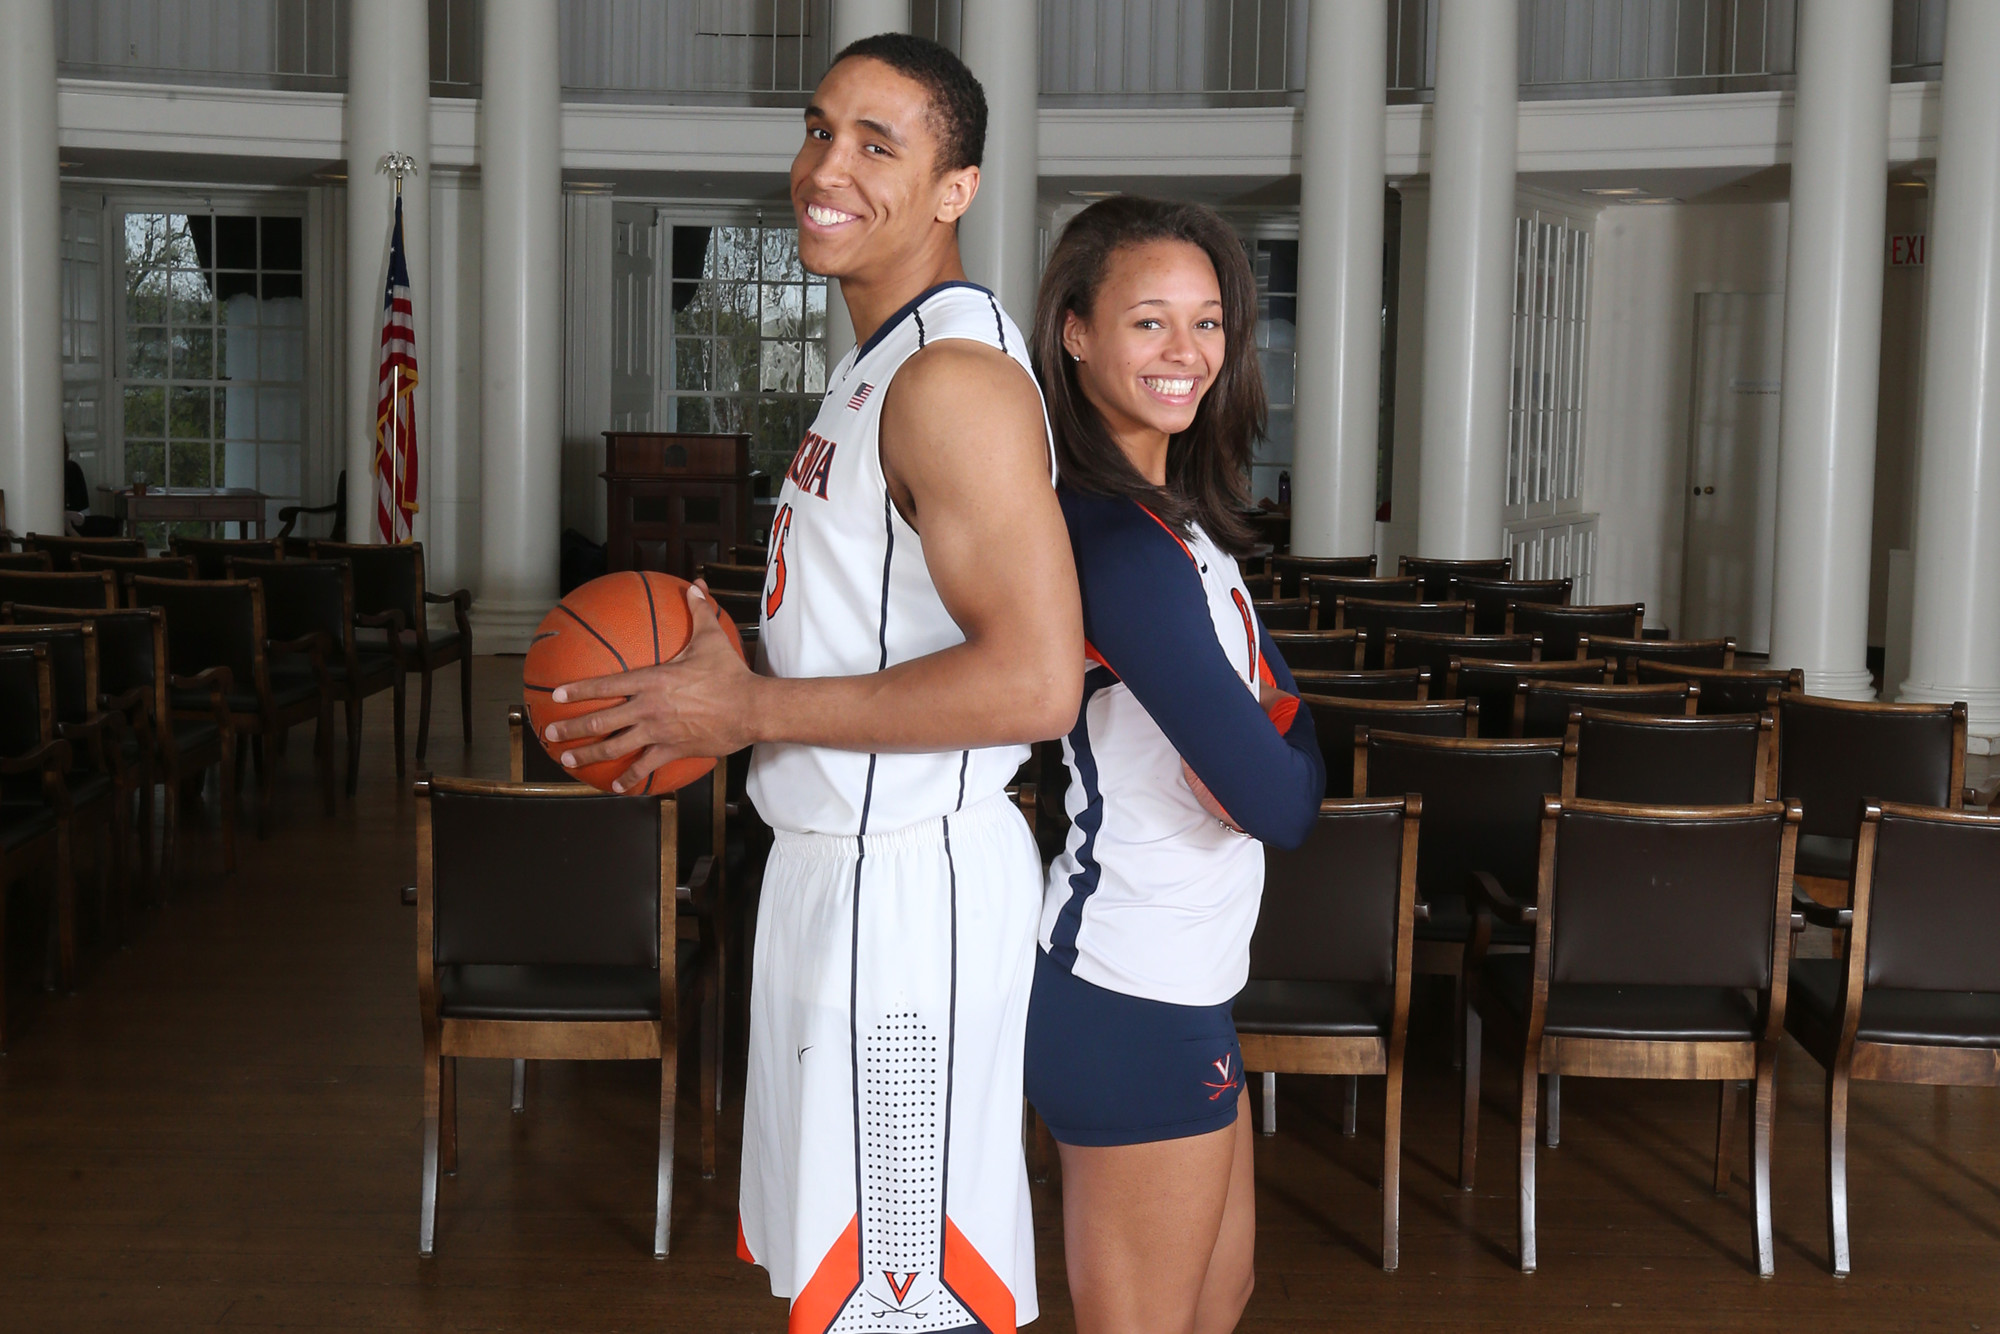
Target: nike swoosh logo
pixel 802 1053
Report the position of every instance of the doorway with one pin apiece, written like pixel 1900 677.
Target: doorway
pixel 1732 478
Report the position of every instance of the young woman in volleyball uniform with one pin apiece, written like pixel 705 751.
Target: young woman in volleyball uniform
pixel 1189 749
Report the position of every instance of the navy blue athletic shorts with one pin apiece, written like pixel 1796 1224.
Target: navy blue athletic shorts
pixel 1105 1068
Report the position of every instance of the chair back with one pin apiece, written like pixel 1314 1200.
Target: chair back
pixel 1561 628
pixel 1718 760
pixel 1322 589
pixel 544 875
pixel 1285 614
pixel 62 588
pixel 1482 807
pixel 210 623
pixel 63 550
pixel 129 645
pixel 1404 683
pixel 1339 721
pixel 1437 574
pixel 124 568
pixel 1928 898
pixel 27 708
pixel 1625 654
pixel 386 577
pixel 1259 585
pixel 743 607
pixel 1378 618
pixel 1494 684
pixel 1724 690
pixel 72 660
pixel 1334 907
pixel 1542 708
pixel 303 597
pixel 744 578
pixel 1657 896
pixel 1291 571
pixel 1320 650
pixel 1836 754
pixel 751 553
pixel 26 560
pixel 211 555
pixel 528 760
pixel 1421 648
pixel 1489 598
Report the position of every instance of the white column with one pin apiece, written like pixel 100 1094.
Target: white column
pixel 30 273
pixel 451 375
pixel 1468 281
pixel 1340 282
pixel 1833 346
pixel 520 160
pixel 388 111
pixel 1955 631
pixel 853 20
pixel 997 235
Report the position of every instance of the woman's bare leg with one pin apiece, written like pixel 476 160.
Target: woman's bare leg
pixel 1232 1267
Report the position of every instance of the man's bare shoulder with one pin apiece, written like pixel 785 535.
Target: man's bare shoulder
pixel 959 374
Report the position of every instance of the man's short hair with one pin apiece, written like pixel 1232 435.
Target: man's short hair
pixel 957 102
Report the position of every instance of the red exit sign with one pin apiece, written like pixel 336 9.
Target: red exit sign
pixel 1907 251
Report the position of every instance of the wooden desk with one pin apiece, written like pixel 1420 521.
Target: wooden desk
pixel 239 505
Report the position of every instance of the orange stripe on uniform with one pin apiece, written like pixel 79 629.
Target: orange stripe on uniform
pixel 818 1304
pixel 974 1283
pixel 743 1244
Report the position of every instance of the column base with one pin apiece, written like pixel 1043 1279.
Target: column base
pixel 1982 707
pixel 1854 685
pixel 505 626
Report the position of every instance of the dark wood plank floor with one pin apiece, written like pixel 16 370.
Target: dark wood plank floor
pixel 220 1128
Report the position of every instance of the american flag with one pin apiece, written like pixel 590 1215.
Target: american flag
pixel 396 407
pixel 860 396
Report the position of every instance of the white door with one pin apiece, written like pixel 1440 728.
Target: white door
pixel 634 238
pixel 1732 480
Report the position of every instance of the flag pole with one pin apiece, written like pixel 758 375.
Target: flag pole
pixel 397 165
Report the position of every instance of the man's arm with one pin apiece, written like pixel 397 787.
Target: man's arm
pixel 966 456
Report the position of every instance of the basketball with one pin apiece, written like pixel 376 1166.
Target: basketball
pixel 618 623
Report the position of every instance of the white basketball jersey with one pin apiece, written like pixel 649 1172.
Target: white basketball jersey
pixel 848 592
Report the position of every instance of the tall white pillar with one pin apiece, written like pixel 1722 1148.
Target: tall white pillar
pixel 1955 625
pixel 853 20
pixel 1340 282
pixel 388 111
pixel 451 375
pixel 31 425
pixel 1833 346
pixel 1469 281
pixel 997 235
pixel 520 364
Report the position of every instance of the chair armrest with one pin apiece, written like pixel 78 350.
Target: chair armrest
pixel 459 597
pixel 409 896
pixel 217 681
pixel 46 755
pixel 1819 914
pixel 695 891
pixel 91 734
pixel 390 621
pixel 132 701
pixel 1423 911
pixel 1485 893
pixel 289 515
pixel 312 643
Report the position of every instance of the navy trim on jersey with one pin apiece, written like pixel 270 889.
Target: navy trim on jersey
pixel 999 325
pixel 908 309
pixel 1083 882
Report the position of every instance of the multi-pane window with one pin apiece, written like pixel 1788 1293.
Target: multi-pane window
pixel 1545 420
pixel 213 365
pixel 1276 264
pixel 748 351
pixel 82 334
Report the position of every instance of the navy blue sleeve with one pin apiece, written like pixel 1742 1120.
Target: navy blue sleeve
pixel 1146 615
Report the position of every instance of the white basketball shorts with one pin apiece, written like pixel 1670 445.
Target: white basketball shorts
pixel 883 1182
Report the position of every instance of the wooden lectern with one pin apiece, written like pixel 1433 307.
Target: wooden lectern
pixel 675 500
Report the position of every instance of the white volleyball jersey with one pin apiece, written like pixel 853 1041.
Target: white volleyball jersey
pixel 847 591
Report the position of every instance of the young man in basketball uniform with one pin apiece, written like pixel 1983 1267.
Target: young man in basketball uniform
pixel 920 625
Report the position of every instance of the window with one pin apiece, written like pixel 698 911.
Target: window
pixel 213 362
pixel 1545 420
pixel 748 351
pixel 82 341
pixel 1276 264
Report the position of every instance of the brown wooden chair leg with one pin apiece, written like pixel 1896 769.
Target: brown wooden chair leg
pixel 353 703
pixel 149 865
pixel 65 910
pixel 399 692
pixel 465 690
pixel 1725 1123
pixel 227 782
pixel 1392 1164
pixel 448 1115
pixel 1458 1028
pixel 1530 1086
pixel 1760 1153
pixel 1351 1107
pixel 1552 1092
pixel 663 1209
pixel 433 1097
pixel 710 1003
pixel 1836 1168
pixel 323 753
pixel 520 1099
pixel 424 716
pixel 1468 1103
pixel 266 784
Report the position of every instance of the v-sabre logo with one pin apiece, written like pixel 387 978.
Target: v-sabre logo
pixel 1225 1067
pixel 901 1289
pixel 811 464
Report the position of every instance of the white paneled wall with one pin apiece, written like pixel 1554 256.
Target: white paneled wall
pixel 299 38
pixel 721 46
pixel 1172 46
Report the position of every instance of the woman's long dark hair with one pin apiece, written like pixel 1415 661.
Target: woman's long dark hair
pixel 1208 464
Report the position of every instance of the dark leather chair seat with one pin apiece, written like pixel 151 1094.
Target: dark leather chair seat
pixel 87 785
pixel 1315 1009
pixel 547 993
pixel 288 687
pixel 1596 1010
pixel 20 822
pixel 1893 1014
pixel 368 665
pixel 194 733
pixel 1825 856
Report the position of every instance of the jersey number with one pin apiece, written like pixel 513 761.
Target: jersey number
pixel 781 528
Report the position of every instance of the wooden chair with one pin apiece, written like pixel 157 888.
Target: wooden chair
pixel 1320 650
pixel 211 555
pixel 1562 627
pixel 1286 614
pixel 745 608
pixel 1437 574
pixel 307 597
pixel 1339 722
pixel 1625 654
pixel 1291 571
pixel 391 578
pixel 221 623
pixel 289 516
pixel 1404 683
pixel 1662 937
pixel 1379 618
pixel 507 970
pixel 1489 598
pixel 1322 589
pixel 1835 756
pixel 63 550
pixel 1495 683
pixel 63 588
pixel 1915 997
pixel 750 553
pixel 36 561
pixel 1725 690
pixel 1543 708
pixel 740 578
pixel 1421 648
pixel 1329 989
pixel 1260 585
pixel 35 820
pixel 1717 760
pixel 132 659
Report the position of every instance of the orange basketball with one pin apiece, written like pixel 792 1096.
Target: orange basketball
pixel 618 623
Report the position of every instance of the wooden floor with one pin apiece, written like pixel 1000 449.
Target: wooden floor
pixel 220 1128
